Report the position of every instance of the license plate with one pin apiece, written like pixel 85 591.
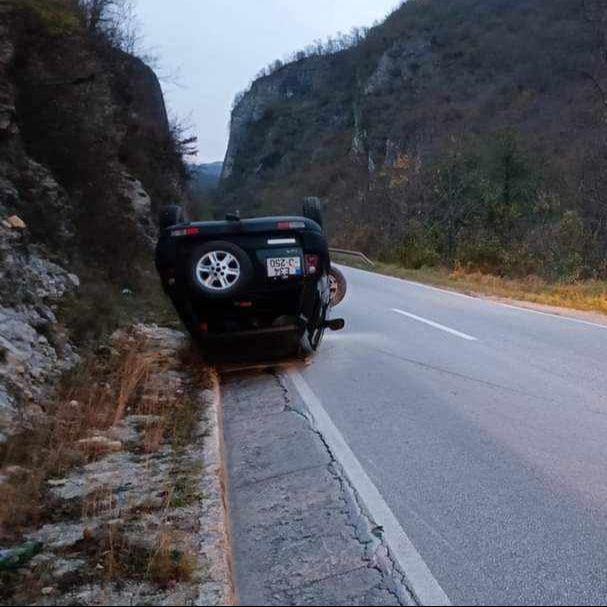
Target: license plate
pixel 283 266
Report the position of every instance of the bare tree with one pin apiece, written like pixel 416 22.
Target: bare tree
pixel 595 13
pixel 318 48
pixel 94 13
pixel 114 21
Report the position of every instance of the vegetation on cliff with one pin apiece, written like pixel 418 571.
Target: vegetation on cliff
pixel 105 481
pixel 87 155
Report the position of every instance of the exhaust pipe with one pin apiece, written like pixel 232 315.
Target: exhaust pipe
pixel 335 324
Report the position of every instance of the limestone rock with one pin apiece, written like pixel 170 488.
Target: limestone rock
pixel 99 444
pixel 63 535
pixel 141 205
pixel 33 351
pixel 63 567
pixel 15 222
pixel 287 83
pixel 396 64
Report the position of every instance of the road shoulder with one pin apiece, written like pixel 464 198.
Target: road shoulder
pixel 461 290
pixel 298 534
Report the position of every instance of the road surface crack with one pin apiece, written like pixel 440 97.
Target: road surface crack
pixel 364 530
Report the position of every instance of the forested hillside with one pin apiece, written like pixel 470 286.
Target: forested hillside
pixel 459 132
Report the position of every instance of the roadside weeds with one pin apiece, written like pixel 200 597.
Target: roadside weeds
pixel 583 295
pixel 118 484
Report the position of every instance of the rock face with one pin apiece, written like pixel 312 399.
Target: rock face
pixel 26 187
pixel 33 347
pixel 86 158
pixel 140 203
pixel 141 91
pixel 399 66
pixel 299 82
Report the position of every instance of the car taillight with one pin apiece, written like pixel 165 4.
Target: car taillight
pixel 186 232
pixel 311 264
pixel 290 225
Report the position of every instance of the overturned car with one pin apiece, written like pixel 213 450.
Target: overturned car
pixel 246 278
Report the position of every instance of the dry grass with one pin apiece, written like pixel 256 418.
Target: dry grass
pixel 89 401
pixel 164 563
pixel 168 563
pixel 586 295
pixel 167 560
pixel 134 370
pixel 99 502
pixel 129 377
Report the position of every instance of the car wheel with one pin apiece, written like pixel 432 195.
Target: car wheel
pixel 170 215
pixel 219 270
pixel 337 286
pixel 313 334
pixel 309 343
pixel 312 209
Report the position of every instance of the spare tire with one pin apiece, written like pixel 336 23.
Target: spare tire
pixel 218 270
pixel 312 209
pixel 170 215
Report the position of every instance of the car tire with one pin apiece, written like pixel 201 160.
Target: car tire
pixel 310 341
pixel 312 209
pixel 219 270
pixel 338 286
pixel 313 333
pixel 170 215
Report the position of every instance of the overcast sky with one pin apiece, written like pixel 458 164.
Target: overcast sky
pixel 208 50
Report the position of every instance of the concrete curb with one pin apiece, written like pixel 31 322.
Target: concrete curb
pixel 214 546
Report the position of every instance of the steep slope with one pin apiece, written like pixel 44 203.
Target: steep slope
pixel 461 86
pixel 86 156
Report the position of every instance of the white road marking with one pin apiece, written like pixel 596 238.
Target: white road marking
pixel 553 315
pixel 435 325
pixel 420 580
pixel 413 282
pixel 481 299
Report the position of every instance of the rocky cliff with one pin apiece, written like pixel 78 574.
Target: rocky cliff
pixel 86 156
pixel 434 76
pixel 305 82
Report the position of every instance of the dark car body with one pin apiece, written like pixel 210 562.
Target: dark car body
pixel 284 287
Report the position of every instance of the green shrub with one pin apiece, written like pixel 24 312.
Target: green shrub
pixel 572 241
pixel 481 252
pixel 418 248
pixel 57 17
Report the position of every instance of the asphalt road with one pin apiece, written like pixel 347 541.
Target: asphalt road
pixel 484 428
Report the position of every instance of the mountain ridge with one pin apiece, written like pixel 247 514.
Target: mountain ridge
pixel 435 84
